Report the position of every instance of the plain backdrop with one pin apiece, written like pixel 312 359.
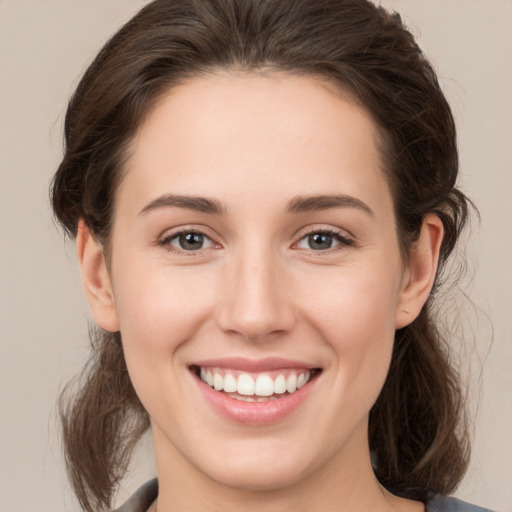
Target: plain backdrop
pixel 44 47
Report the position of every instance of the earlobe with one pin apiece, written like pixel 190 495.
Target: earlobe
pixel 421 271
pixel 96 279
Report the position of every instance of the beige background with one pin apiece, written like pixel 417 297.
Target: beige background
pixel 44 46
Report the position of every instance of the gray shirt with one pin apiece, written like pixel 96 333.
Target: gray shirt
pixel 143 498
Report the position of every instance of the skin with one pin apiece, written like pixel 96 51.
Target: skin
pixel 257 289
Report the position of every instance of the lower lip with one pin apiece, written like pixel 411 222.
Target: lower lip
pixel 255 413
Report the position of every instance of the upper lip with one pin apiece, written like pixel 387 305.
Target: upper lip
pixel 252 365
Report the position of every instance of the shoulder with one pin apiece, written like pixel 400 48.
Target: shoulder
pixel 448 504
pixel 142 499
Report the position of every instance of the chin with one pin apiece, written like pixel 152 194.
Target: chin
pixel 263 467
pixel 258 477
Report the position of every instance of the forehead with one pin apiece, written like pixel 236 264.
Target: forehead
pixel 240 132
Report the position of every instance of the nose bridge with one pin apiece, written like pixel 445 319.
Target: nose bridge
pixel 257 301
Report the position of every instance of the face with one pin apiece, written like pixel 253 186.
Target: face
pixel 254 247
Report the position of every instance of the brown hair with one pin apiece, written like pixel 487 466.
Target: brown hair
pixel 417 432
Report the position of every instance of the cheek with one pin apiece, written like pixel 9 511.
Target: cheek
pixel 159 308
pixel 356 302
pixel 356 316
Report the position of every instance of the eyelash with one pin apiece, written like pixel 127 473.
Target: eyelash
pixel 342 241
pixel 166 242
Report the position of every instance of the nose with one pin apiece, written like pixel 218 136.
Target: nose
pixel 257 300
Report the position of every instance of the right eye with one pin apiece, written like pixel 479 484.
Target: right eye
pixel 188 241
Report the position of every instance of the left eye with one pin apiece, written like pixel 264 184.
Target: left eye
pixel 189 241
pixel 321 241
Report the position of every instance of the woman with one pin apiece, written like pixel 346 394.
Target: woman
pixel 263 198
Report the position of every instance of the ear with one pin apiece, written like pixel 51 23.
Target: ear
pixel 421 271
pixel 96 279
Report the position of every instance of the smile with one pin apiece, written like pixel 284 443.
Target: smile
pixel 255 392
pixel 260 387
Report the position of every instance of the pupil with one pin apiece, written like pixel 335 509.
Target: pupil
pixel 320 241
pixel 191 241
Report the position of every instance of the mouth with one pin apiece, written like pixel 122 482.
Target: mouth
pixel 266 385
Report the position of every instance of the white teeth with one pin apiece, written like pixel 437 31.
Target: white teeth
pixel 266 398
pixel 218 382
pixel 253 398
pixel 245 384
pixel 264 387
pixel 243 398
pixel 280 385
pixel 291 383
pixel 230 384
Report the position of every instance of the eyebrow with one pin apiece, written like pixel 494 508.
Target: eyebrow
pixel 199 204
pixel 317 203
pixel 298 204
